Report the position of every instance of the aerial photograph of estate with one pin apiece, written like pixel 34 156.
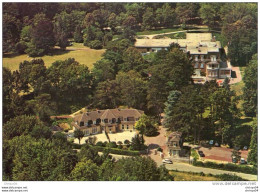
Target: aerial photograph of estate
pixel 130 91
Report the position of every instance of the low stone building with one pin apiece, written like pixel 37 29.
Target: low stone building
pixel 174 144
pixel 109 120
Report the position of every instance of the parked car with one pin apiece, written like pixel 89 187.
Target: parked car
pixel 167 161
pixel 217 144
pixel 245 148
pixel 243 161
pixel 234 159
pixel 201 154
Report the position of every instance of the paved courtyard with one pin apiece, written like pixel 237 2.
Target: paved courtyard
pixel 100 137
pixel 154 142
pixel 121 136
pixel 220 154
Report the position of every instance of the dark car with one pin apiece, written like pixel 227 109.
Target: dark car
pixel 201 154
pixel 243 161
pixel 234 159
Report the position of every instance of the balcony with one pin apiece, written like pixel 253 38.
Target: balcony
pixel 209 60
pixel 212 67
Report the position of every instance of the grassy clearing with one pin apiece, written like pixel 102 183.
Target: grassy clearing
pixel 86 57
pixel 186 176
pixel 152 32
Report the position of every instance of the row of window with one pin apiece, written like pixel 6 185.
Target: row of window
pixel 97 122
pixel 213 66
pixel 212 57
pixel 213 73
pixel 87 132
pixel 197 65
pixel 119 119
pixel 224 72
pixel 127 126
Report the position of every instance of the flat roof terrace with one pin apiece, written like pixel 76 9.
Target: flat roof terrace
pixel 198 36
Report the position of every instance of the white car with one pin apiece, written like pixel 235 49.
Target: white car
pixel 243 161
pixel 167 161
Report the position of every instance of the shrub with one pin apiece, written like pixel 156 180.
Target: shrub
pixel 20 47
pixel 96 44
pixel 119 146
pixel 76 146
pixel 105 143
pixel 228 177
pixel 112 144
pixel 119 143
pixel 126 142
pixel 100 143
pixel 159 149
pixel 32 51
pixel 117 151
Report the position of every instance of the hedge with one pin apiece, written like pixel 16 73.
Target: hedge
pixel 228 167
pixel 76 146
pixel 111 150
pixel 228 177
pixel 117 151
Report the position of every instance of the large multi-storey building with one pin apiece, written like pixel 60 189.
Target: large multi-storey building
pixel 109 120
pixel 205 52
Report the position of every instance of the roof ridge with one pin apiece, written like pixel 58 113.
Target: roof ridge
pixel 82 116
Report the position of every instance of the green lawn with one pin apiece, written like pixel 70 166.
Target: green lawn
pixel 87 57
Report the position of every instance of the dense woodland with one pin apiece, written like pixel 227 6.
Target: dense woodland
pixel 122 77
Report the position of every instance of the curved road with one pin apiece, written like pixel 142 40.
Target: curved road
pixel 187 168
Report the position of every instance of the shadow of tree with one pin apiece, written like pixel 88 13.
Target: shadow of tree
pixel 153 146
pixel 54 52
pixel 10 55
pixel 155 135
pixel 233 74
